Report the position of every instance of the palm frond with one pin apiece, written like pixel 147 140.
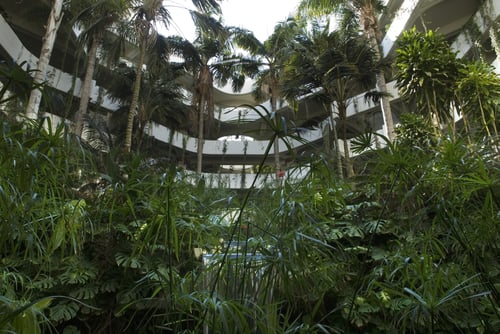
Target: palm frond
pixel 207 6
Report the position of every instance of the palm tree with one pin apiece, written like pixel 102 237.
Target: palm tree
pixel 148 15
pixel 95 18
pixel 161 98
pixel 268 61
pixel 365 14
pixel 334 65
pixel 53 23
pixel 209 59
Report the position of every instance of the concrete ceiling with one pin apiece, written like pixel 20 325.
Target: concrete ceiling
pixel 445 16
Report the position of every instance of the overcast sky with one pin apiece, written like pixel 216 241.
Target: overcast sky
pixel 259 16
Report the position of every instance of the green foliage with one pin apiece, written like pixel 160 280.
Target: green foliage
pixel 416 131
pixel 15 82
pixel 427 71
pixel 409 246
pixel 20 317
pixel 430 75
pixel 479 93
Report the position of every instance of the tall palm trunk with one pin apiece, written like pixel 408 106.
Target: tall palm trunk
pixel 201 140
pixel 87 85
pixel 53 23
pixel 276 151
pixel 204 82
pixel 335 142
pixel 494 37
pixel 385 104
pixel 277 163
pixel 370 26
pixel 135 97
pixel 343 118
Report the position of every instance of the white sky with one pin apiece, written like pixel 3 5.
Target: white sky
pixel 259 16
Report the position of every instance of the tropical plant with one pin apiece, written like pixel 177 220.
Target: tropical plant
pixel 268 60
pixel 161 99
pixel 363 14
pixel 209 59
pixel 20 318
pixel 478 90
pixel 437 182
pixel 95 18
pixel 335 66
pixel 408 246
pixel 427 74
pixel 16 83
pixel 147 16
pixel 411 247
pixel 40 220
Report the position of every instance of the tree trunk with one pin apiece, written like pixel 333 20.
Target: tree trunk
pixel 385 105
pixel 199 151
pixel 347 159
pixel 141 127
pixel 277 163
pixel 276 146
pixel 274 96
pixel 203 100
pixel 135 98
pixel 495 38
pixel 370 27
pixel 53 23
pixel 338 158
pixel 87 85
